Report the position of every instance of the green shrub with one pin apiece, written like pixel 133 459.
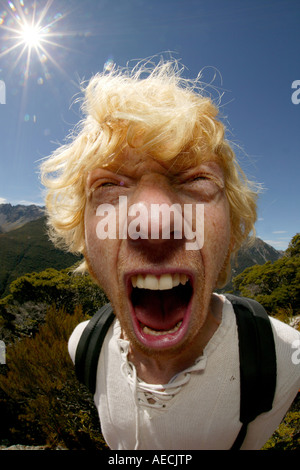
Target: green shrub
pixel 275 285
pixel 287 436
pixel 45 401
pixel 62 288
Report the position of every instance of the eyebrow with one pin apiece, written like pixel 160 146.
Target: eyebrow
pixel 210 166
pixel 176 168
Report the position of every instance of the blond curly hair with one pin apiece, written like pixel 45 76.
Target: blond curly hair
pixel 154 110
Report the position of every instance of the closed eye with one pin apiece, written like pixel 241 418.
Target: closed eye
pixel 105 184
pixel 208 178
pixel 203 186
pixel 200 177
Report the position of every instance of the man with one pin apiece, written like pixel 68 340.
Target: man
pixel 168 373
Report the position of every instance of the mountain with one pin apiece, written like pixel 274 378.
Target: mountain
pixel 259 252
pixel 28 249
pixel 13 217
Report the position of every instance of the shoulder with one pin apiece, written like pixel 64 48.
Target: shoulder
pixel 74 339
pixel 285 336
pixel 283 328
pixel 114 331
pixel 287 345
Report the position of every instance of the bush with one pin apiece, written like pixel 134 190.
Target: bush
pixel 24 309
pixel 43 400
pixel 287 436
pixel 62 288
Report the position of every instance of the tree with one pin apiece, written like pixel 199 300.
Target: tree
pixel 294 246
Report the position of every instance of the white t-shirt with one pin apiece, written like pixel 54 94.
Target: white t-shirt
pixel 199 408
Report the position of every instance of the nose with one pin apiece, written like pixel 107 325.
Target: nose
pixel 154 213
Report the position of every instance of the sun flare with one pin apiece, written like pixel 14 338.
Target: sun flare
pixel 31 35
pixel 29 31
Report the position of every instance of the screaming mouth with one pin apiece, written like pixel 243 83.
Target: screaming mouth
pixel 160 307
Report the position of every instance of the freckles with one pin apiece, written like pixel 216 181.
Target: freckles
pixel 216 236
pixel 97 251
pixel 216 225
pixel 91 240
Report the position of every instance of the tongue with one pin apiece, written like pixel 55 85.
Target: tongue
pixel 159 310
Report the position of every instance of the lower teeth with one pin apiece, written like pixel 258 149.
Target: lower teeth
pixel 149 331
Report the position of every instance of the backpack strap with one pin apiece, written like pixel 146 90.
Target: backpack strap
pixel 89 346
pixel 258 368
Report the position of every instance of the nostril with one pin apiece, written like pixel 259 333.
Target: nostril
pixel 155 222
pixel 177 235
pixel 138 222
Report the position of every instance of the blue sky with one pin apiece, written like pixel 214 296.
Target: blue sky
pixel 250 49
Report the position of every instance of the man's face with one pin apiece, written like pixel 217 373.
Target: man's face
pixel 160 290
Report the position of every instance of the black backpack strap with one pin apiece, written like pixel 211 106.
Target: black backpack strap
pixel 258 368
pixel 89 346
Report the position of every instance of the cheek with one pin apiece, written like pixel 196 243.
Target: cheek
pixel 217 235
pixel 100 254
pixel 217 227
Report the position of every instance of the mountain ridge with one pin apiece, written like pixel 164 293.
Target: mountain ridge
pixel 14 217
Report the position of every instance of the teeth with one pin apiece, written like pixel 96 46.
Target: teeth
pixel 149 331
pixel 163 282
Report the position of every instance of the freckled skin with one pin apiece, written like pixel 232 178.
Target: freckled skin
pixel 145 180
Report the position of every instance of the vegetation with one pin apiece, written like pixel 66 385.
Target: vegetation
pixel 287 436
pixel 28 249
pixel 25 307
pixel 64 288
pixel 40 396
pixel 42 402
pixel 274 285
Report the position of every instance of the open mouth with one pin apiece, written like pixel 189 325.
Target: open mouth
pixel 160 307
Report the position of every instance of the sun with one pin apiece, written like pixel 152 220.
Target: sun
pixel 28 30
pixel 31 35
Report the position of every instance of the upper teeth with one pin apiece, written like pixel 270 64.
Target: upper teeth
pixel 162 282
